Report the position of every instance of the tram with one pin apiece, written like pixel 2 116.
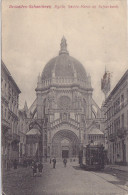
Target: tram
pixel 92 157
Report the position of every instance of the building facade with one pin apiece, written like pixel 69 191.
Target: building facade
pixel 23 128
pixel 9 117
pixel 64 108
pixel 116 125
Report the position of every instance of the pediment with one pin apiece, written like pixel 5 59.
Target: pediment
pixel 64 124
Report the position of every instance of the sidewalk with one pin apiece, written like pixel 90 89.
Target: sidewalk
pixel 118 167
pixel 14 171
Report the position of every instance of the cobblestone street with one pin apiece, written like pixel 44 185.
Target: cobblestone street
pixel 65 181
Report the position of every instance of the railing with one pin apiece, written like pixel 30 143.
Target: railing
pixel 119 133
pixel 73 122
pixel 5 123
pixel 112 137
pixel 68 120
pixel 122 132
pixel 16 137
pixel 8 136
pixel 56 122
pixel 64 81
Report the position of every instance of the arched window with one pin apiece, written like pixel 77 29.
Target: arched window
pixel 93 114
pixel 85 106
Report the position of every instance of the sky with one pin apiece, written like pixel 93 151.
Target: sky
pixel 97 37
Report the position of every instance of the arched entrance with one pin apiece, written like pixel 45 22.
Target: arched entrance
pixel 65 144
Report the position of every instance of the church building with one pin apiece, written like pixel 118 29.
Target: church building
pixel 64 111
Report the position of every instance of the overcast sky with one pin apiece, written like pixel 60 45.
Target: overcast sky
pixel 95 36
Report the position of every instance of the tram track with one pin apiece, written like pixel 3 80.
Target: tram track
pixel 109 182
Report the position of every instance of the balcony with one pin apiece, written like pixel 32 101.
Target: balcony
pixel 8 136
pixel 5 123
pixel 5 126
pixel 122 132
pixel 15 138
pixel 112 137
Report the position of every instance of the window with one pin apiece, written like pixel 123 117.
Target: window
pixel 114 107
pixel 122 120
pixel 2 111
pixel 122 100
pixel 127 118
pixel 112 111
pixel 115 126
pixel 5 113
pixel 127 95
pixel 8 116
pixel 118 105
pixel 118 124
pixel 109 113
pixel 112 127
pixel 1 83
pixel 64 102
pixel 5 89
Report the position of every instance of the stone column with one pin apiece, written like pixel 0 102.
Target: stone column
pixel 39 105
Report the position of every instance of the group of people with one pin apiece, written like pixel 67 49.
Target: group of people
pixel 54 162
pixel 37 167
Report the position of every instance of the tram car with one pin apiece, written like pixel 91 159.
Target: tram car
pixel 92 157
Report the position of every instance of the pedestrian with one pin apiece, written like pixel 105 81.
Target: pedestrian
pixel 65 162
pixel 15 164
pixel 40 167
pixel 50 160
pixel 54 163
pixel 34 167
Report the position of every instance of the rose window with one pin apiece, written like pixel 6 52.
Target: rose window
pixel 64 102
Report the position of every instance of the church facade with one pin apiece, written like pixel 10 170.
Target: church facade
pixel 64 110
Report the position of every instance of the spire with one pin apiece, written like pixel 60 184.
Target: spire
pixel 63 46
pixel 106 82
pixel 39 83
pixel 89 80
pixel 39 78
pixel 25 106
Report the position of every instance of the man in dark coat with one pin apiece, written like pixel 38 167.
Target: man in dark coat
pixel 34 167
pixel 54 163
pixel 65 162
pixel 15 164
pixel 40 167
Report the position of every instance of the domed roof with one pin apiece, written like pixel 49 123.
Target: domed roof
pixel 64 66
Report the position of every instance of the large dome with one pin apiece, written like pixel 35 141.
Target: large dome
pixel 64 66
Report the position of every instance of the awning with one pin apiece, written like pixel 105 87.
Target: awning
pixel 33 132
pixel 95 131
pixel 33 136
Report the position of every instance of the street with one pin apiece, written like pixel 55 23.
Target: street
pixel 71 180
